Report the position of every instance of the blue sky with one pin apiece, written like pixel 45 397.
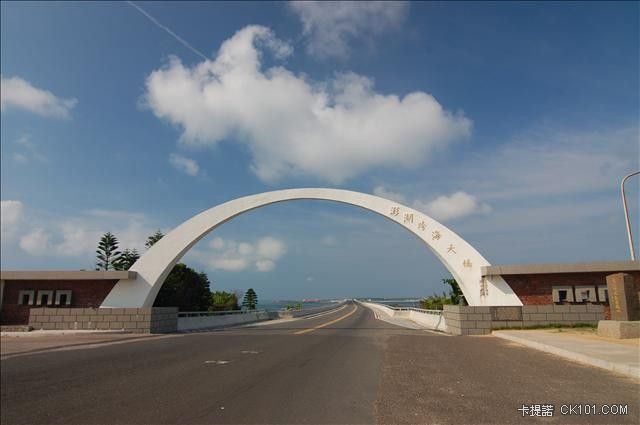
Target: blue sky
pixel 512 123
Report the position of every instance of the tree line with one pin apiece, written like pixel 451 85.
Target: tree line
pixel 184 287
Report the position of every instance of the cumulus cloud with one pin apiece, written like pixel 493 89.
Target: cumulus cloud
pixel 382 192
pixel 265 265
pixel 36 242
pixel 230 255
pixel 70 237
pixel 18 93
pixel 332 130
pixel 444 208
pixel 457 205
pixel 330 27
pixel 11 214
pixel 183 164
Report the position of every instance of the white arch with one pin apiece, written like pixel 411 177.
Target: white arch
pixel 460 258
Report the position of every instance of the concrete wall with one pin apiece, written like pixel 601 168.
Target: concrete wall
pixel 379 308
pixel 473 320
pixel 428 321
pixel 220 320
pixel 134 320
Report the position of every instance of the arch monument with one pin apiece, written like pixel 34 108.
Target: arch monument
pixel 459 257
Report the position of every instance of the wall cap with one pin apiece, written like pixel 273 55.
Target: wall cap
pixel 67 275
pixel 546 268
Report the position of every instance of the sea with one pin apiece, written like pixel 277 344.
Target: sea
pixel 275 305
pixel 396 302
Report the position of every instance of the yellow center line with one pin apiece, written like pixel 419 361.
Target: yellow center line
pixel 304 331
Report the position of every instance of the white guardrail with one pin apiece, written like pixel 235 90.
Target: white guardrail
pixel 216 313
pixel 428 319
pixel 192 320
pixel 419 310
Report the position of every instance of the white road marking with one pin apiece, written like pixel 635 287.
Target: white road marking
pixel 218 361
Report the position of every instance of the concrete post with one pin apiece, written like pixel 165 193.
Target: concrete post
pixel 623 299
pixel 1 293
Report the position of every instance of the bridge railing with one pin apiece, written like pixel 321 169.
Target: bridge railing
pixel 419 310
pixel 216 313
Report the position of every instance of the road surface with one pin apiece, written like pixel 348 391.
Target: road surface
pixel 337 368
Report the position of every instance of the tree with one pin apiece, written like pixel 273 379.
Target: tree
pixel 151 240
pixel 435 302
pixel 250 300
pixel 455 293
pixel 107 252
pixel 223 301
pixel 186 289
pixel 127 258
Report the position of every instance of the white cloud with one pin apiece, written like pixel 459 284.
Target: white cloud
pixel 20 158
pixel 78 237
pixel 229 264
pixel 270 248
pixel 382 192
pixel 265 265
pixel 18 93
pixel 217 243
pixel 36 242
pixel 11 214
pixel 328 240
pixel 331 26
pixel 332 130
pixel 28 151
pixel 457 205
pixel 183 164
pixel 70 237
pixel 444 208
pixel 551 162
pixel 230 255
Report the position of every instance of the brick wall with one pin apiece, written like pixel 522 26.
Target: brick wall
pixel 85 293
pixel 134 320
pixel 535 289
pixel 468 320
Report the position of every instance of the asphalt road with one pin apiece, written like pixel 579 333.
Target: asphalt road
pixel 343 367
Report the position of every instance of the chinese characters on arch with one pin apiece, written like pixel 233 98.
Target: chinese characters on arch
pixel 409 219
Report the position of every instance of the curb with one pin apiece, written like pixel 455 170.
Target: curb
pixel 630 371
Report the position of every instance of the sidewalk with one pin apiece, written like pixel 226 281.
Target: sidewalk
pixel 16 343
pixel 584 346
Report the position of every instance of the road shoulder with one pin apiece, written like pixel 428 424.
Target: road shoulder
pixel 620 356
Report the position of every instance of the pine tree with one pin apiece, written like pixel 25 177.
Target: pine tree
pixel 151 240
pixel 127 259
pixel 107 252
pixel 250 300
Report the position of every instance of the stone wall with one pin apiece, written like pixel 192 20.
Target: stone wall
pixel 84 293
pixel 467 320
pixel 134 320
